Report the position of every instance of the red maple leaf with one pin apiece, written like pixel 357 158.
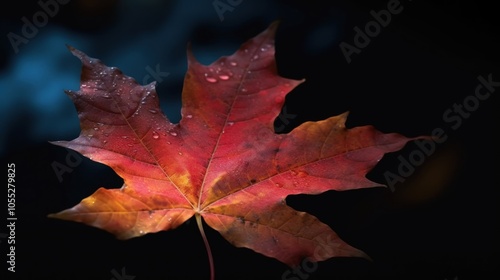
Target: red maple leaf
pixel 223 161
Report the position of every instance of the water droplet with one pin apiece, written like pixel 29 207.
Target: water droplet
pixel 180 153
pixel 168 142
pixel 189 116
pixel 152 111
pixel 255 57
pixel 100 124
pixel 124 137
pixel 143 102
pixel 173 133
pixel 244 90
pixel 106 96
pixel 230 123
pixel 96 128
pixel 302 174
pixel 245 50
pixel 210 79
pixel 263 49
pixel 224 77
pixel 130 145
pixel 278 185
pixel 233 63
pixel 299 174
pixel 155 136
pixel 105 141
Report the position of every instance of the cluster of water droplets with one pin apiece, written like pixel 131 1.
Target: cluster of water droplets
pixel 218 72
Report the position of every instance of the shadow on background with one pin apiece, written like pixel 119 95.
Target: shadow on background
pixel 439 222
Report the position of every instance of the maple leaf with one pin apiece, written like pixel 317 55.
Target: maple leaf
pixel 223 162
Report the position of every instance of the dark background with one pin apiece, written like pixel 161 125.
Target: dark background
pixel 440 223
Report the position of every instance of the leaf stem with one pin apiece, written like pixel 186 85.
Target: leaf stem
pixel 207 246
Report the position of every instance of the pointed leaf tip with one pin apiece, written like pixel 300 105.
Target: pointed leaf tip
pixel 274 26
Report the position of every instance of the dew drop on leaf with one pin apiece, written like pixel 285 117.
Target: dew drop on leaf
pixel 302 174
pixel 211 79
